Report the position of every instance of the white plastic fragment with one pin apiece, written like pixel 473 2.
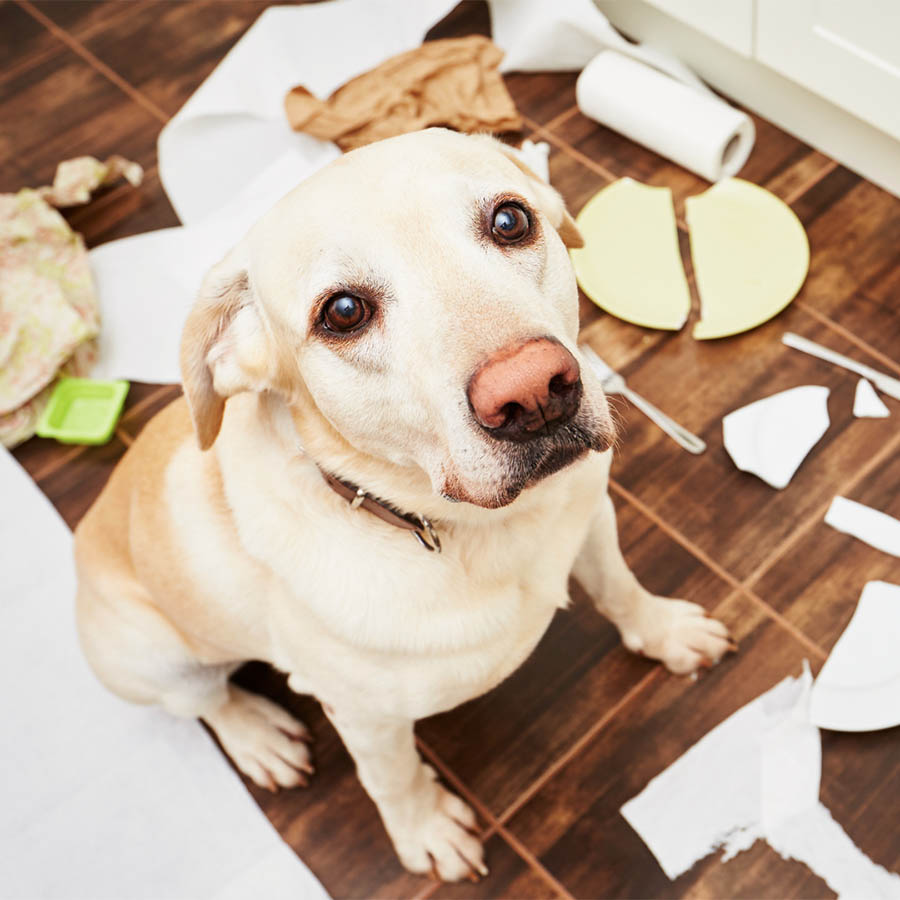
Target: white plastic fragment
pixel 877 529
pixel 867 404
pixel 756 775
pixel 771 437
pixel 858 688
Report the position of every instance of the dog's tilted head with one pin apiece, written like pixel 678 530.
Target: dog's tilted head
pixel 417 296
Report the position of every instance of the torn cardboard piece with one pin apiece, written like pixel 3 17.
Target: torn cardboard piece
pixel 867 404
pixel 750 255
pixel 452 82
pixel 756 775
pixel 76 179
pixel 858 688
pixel 771 437
pixel 630 265
pixel 877 529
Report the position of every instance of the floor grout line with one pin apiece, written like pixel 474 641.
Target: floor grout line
pixel 568 149
pixel 702 557
pixel 97 64
pixel 848 335
pixel 124 437
pixel 562 118
pixel 565 758
pixel 811 182
pixel 490 819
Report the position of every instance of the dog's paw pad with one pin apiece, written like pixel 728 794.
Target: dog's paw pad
pixel 265 742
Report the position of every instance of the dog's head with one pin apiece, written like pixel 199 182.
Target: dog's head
pixel 417 296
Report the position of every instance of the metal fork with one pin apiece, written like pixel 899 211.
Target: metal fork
pixel 614 383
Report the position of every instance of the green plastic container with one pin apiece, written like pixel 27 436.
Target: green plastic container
pixel 83 411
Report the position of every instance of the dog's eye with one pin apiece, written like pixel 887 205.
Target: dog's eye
pixel 511 223
pixel 344 312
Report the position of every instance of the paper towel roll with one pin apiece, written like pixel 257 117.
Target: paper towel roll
pixel 691 127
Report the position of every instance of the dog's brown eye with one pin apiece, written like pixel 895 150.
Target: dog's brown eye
pixel 511 223
pixel 344 312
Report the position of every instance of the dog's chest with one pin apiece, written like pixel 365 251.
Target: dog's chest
pixel 412 634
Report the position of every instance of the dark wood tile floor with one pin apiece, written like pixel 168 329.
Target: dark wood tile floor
pixel 548 758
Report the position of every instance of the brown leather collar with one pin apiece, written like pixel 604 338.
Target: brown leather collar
pixel 419 526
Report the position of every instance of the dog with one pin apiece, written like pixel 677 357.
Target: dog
pixel 388 459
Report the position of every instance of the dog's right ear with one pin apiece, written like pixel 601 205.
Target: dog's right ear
pixel 224 346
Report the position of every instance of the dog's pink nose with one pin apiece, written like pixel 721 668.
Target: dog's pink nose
pixel 526 390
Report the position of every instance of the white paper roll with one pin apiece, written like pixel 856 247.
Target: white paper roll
pixel 693 128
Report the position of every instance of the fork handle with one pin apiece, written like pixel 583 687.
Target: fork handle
pixel 677 432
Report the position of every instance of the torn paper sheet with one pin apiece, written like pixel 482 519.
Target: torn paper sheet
pixel 771 437
pixel 565 35
pixel 756 775
pixel 108 799
pixel 233 127
pixel 76 179
pixel 630 264
pixel 452 83
pixel 161 271
pixel 867 404
pixel 875 528
pixel 858 688
pixel 750 255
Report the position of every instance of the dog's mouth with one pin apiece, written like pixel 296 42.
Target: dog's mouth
pixel 523 465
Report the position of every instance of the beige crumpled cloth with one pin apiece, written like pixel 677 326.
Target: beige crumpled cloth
pixel 49 314
pixel 452 82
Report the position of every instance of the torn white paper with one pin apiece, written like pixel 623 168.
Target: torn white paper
pixel 877 529
pixel 858 688
pixel 234 126
pixel 771 437
pixel 536 156
pixel 867 404
pixel 756 775
pixel 106 799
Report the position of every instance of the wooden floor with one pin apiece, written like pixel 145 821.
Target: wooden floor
pixel 549 757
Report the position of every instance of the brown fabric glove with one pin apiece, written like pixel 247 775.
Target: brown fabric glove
pixel 452 82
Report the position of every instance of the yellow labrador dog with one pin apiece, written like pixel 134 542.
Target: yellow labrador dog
pixel 411 461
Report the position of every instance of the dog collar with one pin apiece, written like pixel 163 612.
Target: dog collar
pixel 420 527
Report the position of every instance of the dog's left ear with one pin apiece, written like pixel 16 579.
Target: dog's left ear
pixel 551 203
pixel 224 347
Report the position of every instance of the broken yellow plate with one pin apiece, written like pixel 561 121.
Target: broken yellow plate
pixel 750 256
pixel 630 264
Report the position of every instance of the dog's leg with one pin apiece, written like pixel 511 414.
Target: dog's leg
pixel 432 830
pixel 675 631
pixel 139 655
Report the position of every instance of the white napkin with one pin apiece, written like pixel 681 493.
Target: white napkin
pixel 756 775
pixel 101 798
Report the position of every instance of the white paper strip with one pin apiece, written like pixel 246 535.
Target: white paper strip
pixel 756 775
pixel 858 688
pixel 875 528
pixel 104 799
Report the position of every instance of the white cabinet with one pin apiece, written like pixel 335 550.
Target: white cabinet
pixel 730 22
pixel 848 51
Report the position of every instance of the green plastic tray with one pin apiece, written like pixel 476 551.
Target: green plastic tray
pixel 83 411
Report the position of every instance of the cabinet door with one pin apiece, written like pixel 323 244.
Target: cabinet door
pixel 846 50
pixel 730 22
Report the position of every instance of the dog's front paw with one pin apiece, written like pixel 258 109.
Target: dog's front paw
pixel 442 842
pixel 265 742
pixel 678 633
